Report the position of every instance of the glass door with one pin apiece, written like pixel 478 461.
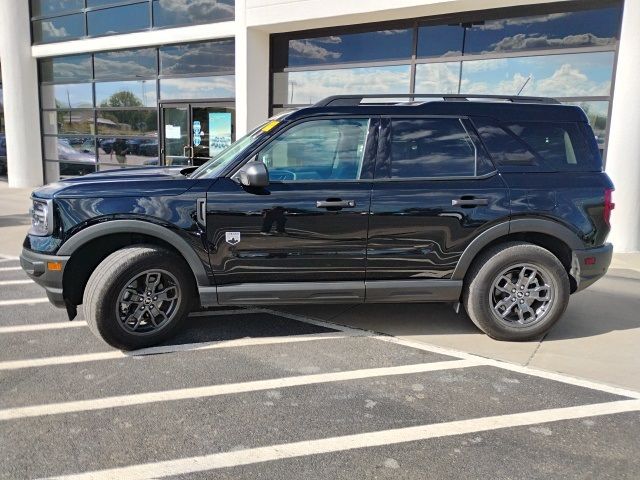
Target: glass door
pixel 195 132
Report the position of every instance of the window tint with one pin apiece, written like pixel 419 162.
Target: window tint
pixel 129 18
pixel 561 145
pixel 72 68
pixel 52 7
pixel 190 12
pixel 198 58
pixel 140 63
pixel 318 150
pixel 430 148
pixel 504 147
pixel 58 29
pixel 440 41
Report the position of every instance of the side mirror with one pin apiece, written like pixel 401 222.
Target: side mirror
pixel 254 174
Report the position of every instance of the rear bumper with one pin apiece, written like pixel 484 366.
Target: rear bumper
pixel 589 265
pixel 36 266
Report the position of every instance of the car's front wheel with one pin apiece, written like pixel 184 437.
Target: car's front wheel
pixel 516 291
pixel 138 296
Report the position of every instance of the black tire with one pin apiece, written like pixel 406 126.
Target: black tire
pixel 102 292
pixel 479 292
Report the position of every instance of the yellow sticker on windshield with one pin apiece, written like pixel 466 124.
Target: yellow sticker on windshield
pixel 270 126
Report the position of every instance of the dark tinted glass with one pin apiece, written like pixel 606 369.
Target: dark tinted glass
pixel 206 57
pixel 562 146
pixel 74 68
pixel 430 148
pixel 127 122
pixel 52 7
pixel 353 47
pixel 189 12
pixel 440 41
pixel 58 29
pixel 555 30
pixel 125 64
pixel 101 3
pixel 119 19
pixel 504 148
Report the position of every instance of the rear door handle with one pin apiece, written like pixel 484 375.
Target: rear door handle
pixel 469 202
pixel 336 204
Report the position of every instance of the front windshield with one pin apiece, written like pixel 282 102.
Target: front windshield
pixel 226 157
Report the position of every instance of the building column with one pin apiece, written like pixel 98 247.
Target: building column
pixel 623 151
pixel 252 74
pixel 20 88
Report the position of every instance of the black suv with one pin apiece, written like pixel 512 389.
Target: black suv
pixel 498 203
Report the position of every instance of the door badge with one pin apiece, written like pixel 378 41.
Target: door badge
pixel 232 238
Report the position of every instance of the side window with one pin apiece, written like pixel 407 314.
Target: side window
pixel 561 145
pixel 318 150
pixel 431 148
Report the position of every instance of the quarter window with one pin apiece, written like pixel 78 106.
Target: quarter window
pixel 431 148
pixel 318 150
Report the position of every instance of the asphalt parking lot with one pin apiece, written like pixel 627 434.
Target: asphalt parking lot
pixel 256 393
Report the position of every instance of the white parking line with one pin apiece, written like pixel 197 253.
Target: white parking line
pixel 23 301
pixel 225 389
pixel 559 377
pixel 165 349
pixel 249 456
pixel 8 257
pixel 10 269
pixel 42 326
pixel 15 282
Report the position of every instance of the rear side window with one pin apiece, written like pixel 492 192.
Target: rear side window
pixel 431 148
pixel 562 146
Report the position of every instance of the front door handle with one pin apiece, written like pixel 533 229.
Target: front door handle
pixel 337 204
pixel 469 202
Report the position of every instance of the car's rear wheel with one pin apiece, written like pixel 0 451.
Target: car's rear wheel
pixel 516 291
pixel 138 296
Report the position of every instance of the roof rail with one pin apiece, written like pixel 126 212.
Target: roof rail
pixel 353 100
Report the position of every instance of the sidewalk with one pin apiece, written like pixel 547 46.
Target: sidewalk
pixel 14 218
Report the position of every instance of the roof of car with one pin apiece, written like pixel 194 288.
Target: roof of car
pixel 503 108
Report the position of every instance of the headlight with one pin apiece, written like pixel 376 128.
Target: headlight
pixel 41 217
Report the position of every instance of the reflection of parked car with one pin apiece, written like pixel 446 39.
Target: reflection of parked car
pixel 3 155
pixel 106 144
pixel 83 162
pixel 149 148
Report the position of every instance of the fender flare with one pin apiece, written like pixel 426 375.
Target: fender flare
pixel 520 225
pixel 138 226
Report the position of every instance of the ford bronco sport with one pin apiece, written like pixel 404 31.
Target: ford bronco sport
pixel 497 203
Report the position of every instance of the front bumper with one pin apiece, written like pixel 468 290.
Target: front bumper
pixel 36 265
pixel 589 265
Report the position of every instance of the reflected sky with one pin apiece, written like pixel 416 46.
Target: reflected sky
pixel 222 86
pixel 57 29
pixel 126 63
pixel 70 68
pixel 119 19
pixel 312 86
pixel 46 7
pixel 176 12
pixel 438 77
pixel 78 95
pixel 585 74
pixel 205 57
pixel 126 94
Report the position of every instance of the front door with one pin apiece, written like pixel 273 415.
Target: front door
pixel 309 226
pixel 193 133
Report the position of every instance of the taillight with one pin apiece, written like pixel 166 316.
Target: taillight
pixel 608 205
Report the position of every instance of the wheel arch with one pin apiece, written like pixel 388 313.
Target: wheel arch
pixel 90 246
pixel 553 236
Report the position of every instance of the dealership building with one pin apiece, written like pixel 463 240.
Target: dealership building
pixel 93 85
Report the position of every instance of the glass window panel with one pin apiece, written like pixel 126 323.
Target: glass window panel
pixel 68 121
pixel 598 115
pixel 72 149
pixel 555 30
pixel 101 3
pixel 72 68
pixel 440 41
pixel 58 29
pixel 127 122
pixel 311 86
pixel 318 150
pixel 353 47
pixel 52 7
pixel 72 95
pixel 430 148
pixel 54 171
pixel 126 94
pixel 189 12
pixel 131 151
pixel 196 58
pixel 574 75
pixel 437 77
pixel 129 18
pixel 139 63
pixel 197 87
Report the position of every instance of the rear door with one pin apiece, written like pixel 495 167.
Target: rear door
pixel 309 225
pixel 434 191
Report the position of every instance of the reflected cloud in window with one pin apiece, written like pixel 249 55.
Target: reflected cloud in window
pixel 438 77
pixel 195 58
pixel 311 86
pixel 586 74
pixel 222 86
pixel 125 64
pixel 177 12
